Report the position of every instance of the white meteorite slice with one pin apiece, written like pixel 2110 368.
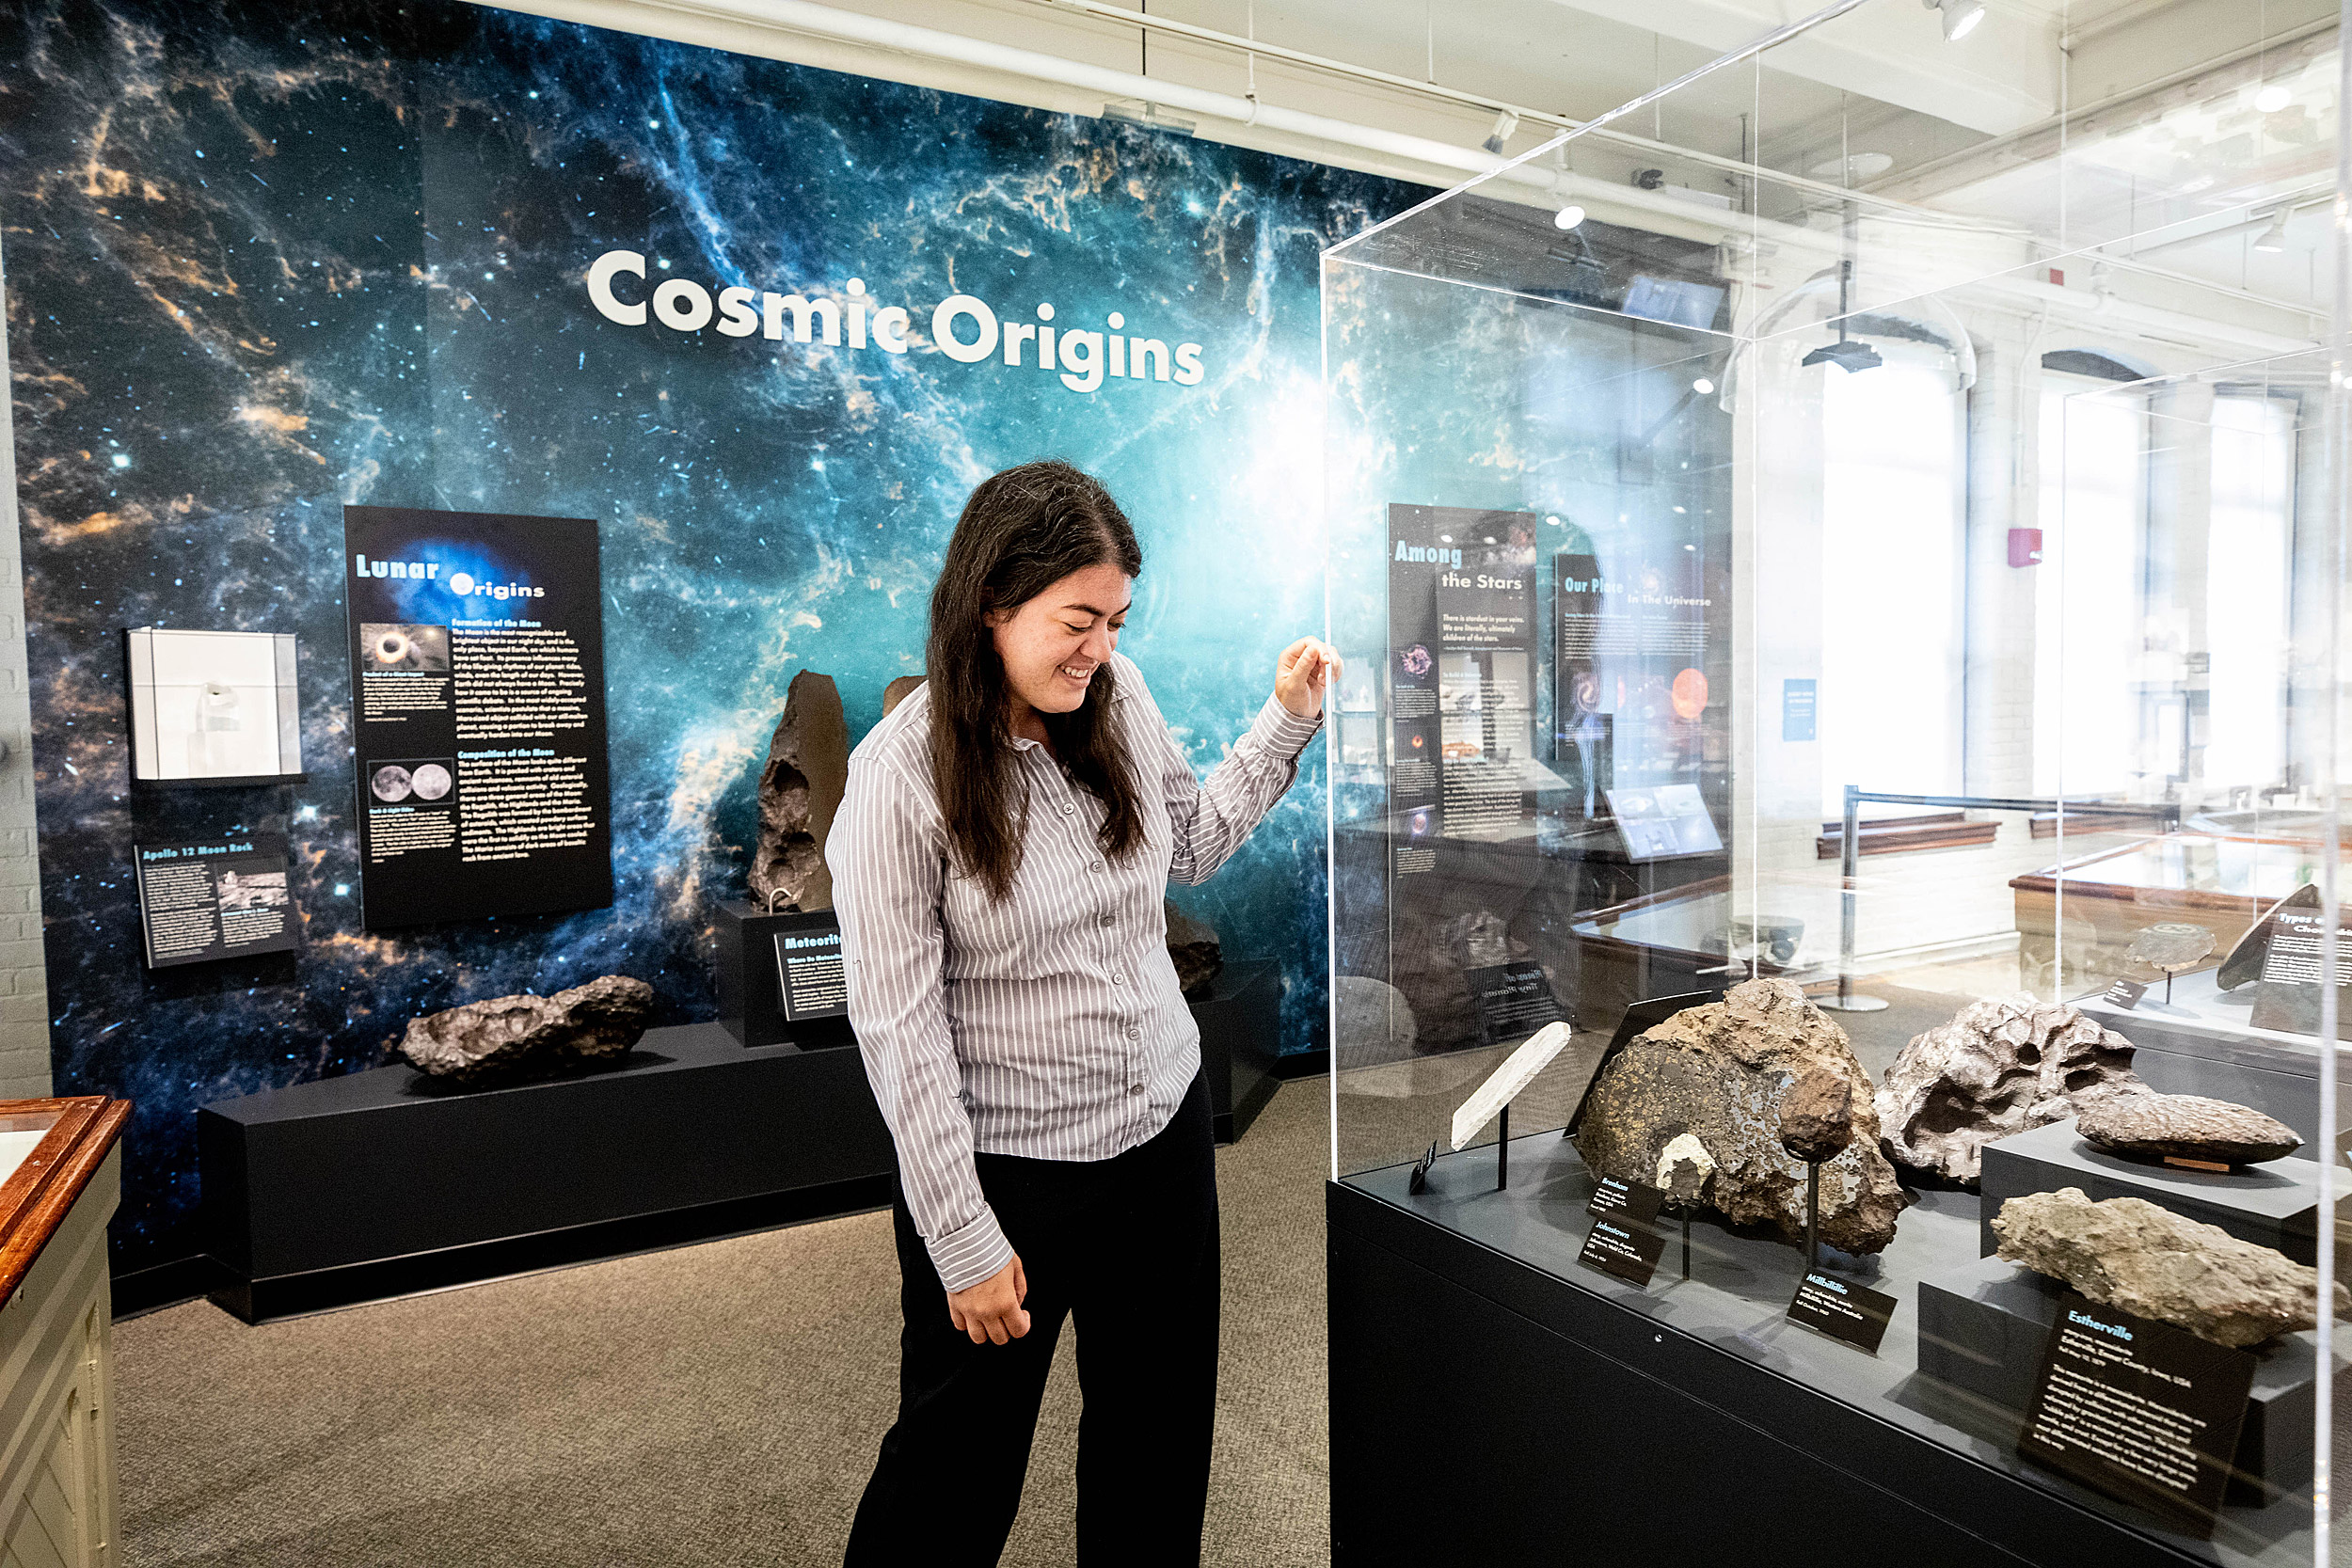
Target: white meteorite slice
pixel 1518 1071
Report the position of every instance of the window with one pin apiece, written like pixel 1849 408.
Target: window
pixel 2247 608
pixel 2087 609
pixel 1890 712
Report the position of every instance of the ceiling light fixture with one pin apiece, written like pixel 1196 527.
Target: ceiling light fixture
pixel 1567 217
pixel 2273 98
pixel 1849 355
pixel 1505 122
pixel 2275 237
pixel 1702 387
pixel 1960 16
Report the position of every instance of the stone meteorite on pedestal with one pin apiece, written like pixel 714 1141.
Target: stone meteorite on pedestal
pixel 509 1037
pixel 799 789
pixel 1721 1074
pixel 2131 1254
pixel 1999 1067
pixel 2187 1127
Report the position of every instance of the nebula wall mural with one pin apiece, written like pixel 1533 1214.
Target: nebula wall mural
pixel 265 262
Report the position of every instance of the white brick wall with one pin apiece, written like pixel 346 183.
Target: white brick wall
pixel 24 977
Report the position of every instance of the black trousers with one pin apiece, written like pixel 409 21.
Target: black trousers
pixel 1127 1248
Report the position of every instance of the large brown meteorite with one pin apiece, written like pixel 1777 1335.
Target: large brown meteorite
pixel 1723 1073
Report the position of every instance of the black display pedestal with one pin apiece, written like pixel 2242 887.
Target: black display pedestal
pixel 1240 1017
pixel 1241 1029
pixel 1493 1402
pixel 2275 1204
pixel 1981 1329
pixel 375 1184
pixel 751 991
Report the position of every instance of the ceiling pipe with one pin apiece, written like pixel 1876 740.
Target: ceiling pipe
pixel 1121 16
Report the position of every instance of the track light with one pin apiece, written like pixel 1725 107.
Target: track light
pixel 1702 387
pixel 1505 122
pixel 1960 16
pixel 2275 237
pixel 1567 217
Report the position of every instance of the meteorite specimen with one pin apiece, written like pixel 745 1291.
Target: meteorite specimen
pixel 1683 1167
pixel 1816 1115
pixel 799 789
pixel 1193 948
pixel 2188 1127
pixel 2172 945
pixel 2129 1253
pixel 511 1038
pixel 1721 1074
pixel 1999 1068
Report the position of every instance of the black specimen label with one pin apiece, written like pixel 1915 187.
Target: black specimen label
pixel 1626 1251
pixel 2139 1410
pixel 1842 1310
pixel 1627 1200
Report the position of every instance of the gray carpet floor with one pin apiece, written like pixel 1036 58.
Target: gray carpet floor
pixel 712 1404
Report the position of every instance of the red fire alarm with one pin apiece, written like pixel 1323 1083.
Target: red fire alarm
pixel 2025 546
pixel 2057 277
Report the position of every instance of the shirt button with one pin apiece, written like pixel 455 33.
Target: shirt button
pixel 1133 1033
pixel 1096 866
pixel 1109 920
pixel 1118 980
pixel 1070 811
pixel 1134 1088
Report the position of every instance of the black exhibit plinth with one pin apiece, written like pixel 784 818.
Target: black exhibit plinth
pixel 1495 1402
pixel 1241 1030
pixel 1239 1015
pixel 2275 1204
pixel 751 991
pixel 379 1184
pixel 1981 1330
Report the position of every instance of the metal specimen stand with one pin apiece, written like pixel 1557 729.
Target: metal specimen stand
pixel 1812 1215
pixel 1850 862
pixel 1502 1151
pixel 1686 1244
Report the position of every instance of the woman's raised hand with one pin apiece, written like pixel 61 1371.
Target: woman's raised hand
pixel 1305 671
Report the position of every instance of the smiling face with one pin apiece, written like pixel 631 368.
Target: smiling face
pixel 1052 644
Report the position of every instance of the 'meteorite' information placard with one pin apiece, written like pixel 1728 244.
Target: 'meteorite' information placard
pixel 2141 1409
pixel 215 898
pixel 811 981
pixel 477 650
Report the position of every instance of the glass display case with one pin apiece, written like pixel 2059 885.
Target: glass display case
pixel 1834 802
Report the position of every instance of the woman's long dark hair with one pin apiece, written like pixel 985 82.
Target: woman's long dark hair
pixel 1022 531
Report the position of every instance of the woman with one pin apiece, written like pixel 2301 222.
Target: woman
pixel 999 864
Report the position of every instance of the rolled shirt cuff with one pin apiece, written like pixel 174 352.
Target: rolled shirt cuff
pixel 966 1255
pixel 1281 731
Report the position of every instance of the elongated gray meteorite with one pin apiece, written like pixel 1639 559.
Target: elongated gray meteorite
pixel 2130 1254
pixel 2187 1127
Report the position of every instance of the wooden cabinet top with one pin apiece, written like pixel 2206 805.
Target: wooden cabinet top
pixel 49 1150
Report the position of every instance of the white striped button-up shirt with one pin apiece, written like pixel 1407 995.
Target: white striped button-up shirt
pixel 1049 1026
